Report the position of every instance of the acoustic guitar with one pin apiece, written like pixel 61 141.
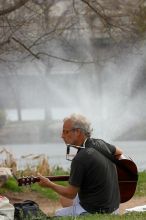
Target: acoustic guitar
pixel 127 178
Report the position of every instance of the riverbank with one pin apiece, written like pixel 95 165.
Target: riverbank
pixel 30 132
pixel 38 132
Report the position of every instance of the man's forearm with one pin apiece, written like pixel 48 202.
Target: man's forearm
pixel 61 190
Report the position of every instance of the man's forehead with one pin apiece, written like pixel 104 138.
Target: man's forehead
pixel 67 123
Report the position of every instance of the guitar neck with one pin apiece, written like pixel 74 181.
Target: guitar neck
pixel 53 178
pixel 31 179
pixel 58 178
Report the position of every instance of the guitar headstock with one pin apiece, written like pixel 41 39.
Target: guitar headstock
pixel 27 180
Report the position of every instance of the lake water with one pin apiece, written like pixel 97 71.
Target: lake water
pixel 56 153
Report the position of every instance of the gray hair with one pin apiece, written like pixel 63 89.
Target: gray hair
pixel 81 122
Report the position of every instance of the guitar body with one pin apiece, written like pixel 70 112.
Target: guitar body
pixel 127 178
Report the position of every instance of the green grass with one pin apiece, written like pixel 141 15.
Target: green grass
pixel 45 192
pixel 141 186
pixel 11 185
pixel 131 216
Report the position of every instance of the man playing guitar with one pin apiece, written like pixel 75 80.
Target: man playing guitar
pixel 93 181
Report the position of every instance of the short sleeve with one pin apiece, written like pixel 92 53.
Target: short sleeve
pixel 111 147
pixel 104 145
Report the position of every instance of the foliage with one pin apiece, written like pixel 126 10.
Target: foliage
pixel 7 160
pixel 57 170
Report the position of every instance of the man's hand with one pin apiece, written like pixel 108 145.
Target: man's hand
pixel 45 182
pixel 118 153
pixel 67 191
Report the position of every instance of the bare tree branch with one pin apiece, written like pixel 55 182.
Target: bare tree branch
pixel 13 7
pixel 103 17
pixel 25 47
pixel 65 59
